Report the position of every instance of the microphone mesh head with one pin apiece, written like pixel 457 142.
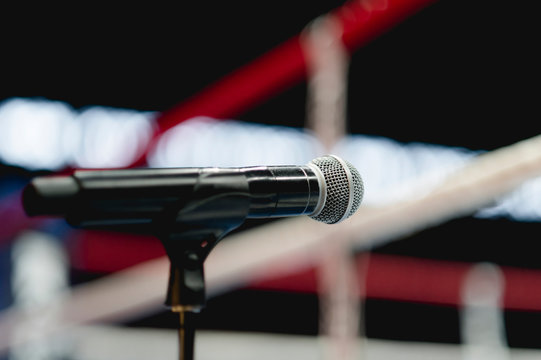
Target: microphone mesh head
pixel 343 189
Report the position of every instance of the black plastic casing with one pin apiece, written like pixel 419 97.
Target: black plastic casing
pixel 131 197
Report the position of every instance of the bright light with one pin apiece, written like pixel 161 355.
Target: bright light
pixel 40 134
pixel 111 138
pixel 208 142
pixel 31 133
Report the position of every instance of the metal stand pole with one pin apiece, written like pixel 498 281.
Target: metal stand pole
pixel 186 335
pixel 186 297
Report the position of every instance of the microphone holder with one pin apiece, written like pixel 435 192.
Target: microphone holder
pixel 188 235
pixel 186 291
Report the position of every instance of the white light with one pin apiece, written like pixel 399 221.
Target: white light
pixel 41 134
pixel 203 141
pixel 111 138
pixel 32 133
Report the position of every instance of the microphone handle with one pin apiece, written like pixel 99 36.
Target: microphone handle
pixel 140 196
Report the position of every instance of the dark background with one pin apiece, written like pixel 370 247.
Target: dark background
pixel 459 73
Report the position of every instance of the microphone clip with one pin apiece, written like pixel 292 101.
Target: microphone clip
pixel 189 232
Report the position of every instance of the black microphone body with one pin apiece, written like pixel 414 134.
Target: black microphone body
pixel 94 198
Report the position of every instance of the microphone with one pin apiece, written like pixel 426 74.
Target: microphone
pixel 328 189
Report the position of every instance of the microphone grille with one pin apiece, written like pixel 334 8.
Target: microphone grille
pixel 342 189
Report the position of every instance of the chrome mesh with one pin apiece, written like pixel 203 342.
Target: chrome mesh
pixel 358 189
pixel 338 190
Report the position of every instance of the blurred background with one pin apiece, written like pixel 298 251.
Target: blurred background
pixel 421 89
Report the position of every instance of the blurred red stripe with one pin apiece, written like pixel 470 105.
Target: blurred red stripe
pixel 107 252
pixel 415 279
pixel 522 289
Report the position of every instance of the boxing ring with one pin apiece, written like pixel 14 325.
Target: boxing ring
pixel 297 254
